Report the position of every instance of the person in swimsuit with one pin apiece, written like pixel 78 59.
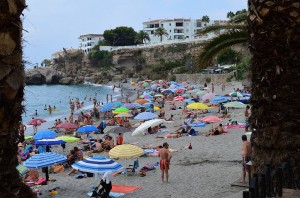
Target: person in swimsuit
pixel 246 155
pixel 165 157
pixel 247 114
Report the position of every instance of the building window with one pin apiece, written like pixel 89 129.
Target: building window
pixel 151 25
pixel 157 25
pixel 170 24
pixel 152 32
pixel 161 25
pixel 187 30
pixel 179 24
pixel 199 24
pixel 170 30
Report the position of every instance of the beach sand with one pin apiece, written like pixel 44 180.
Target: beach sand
pixel 206 170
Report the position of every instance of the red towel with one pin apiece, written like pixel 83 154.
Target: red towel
pixel 124 189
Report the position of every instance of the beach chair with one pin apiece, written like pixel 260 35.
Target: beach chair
pixel 131 170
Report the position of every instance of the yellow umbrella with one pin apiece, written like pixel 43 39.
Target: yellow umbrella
pixel 156 108
pixel 126 151
pixel 68 139
pixel 197 105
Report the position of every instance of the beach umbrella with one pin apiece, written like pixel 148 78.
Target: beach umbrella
pixel 36 121
pixel 121 110
pixel 141 101
pixel 197 105
pixel 117 130
pixel 28 137
pixel 189 100
pixel 87 129
pixel 179 91
pixel 129 105
pixel 67 125
pixel 97 165
pixel 218 99
pixel 178 98
pixel 145 116
pixel 106 107
pixel 235 104
pixel 43 160
pixel 236 94
pixel 151 123
pixel 244 100
pixel 201 93
pixel 208 96
pixel 156 108
pixel 145 84
pixel 211 119
pixel 167 91
pixel 22 169
pixel 68 139
pixel 49 142
pixel 45 134
pixel 123 115
pixel 148 96
pixel 126 151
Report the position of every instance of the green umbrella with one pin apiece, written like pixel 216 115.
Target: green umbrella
pixel 201 93
pixel 235 104
pixel 142 96
pixel 145 84
pixel 121 110
pixel 68 139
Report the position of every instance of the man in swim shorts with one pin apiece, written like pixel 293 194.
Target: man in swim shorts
pixel 165 157
pixel 246 154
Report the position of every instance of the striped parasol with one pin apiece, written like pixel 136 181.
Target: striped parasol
pixel 22 169
pixel 126 151
pixel 97 165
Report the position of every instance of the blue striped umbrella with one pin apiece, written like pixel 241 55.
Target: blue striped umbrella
pixel 87 129
pixel 44 160
pixel 97 165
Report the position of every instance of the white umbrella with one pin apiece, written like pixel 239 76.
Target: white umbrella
pixel 146 125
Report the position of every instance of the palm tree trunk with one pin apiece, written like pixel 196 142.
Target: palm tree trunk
pixel 11 96
pixel 275 72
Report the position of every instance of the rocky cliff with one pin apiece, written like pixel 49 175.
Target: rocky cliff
pixel 77 68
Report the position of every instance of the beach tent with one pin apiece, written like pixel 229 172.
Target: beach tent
pixel 143 127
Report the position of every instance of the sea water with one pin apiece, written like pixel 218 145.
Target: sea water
pixel 37 96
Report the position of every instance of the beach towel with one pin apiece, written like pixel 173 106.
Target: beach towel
pixel 234 127
pixel 124 189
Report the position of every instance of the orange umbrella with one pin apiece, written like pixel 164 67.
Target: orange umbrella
pixel 141 101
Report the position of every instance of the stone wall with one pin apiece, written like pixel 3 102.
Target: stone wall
pixel 201 78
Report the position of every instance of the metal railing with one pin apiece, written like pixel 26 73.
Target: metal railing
pixel 272 181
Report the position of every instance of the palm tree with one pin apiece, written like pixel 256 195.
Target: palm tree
pixel 230 15
pixel 205 19
pixel 232 33
pixel 274 44
pixel 161 32
pixel 142 37
pixel 11 96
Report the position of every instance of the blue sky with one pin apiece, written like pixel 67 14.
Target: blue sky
pixel 54 24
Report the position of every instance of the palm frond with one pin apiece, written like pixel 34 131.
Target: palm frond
pixel 223 41
pixel 240 18
pixel 214 28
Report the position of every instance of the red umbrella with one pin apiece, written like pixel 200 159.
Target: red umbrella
pixel 211 119
pixel 67 125
pixel 178 98
pixel 179 91
pixel 36 121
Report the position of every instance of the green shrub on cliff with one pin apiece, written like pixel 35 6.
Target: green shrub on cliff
pixel 100 58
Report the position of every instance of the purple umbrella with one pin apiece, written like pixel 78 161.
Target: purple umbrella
pixel 129 105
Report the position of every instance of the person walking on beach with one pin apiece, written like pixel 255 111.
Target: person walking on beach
pixel 106 98
pixel 246 155
pixel 223 87
pixel 164 162
pixel 212 88
pixel 110 98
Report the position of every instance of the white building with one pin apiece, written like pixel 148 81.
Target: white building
pixel 88 41
pixel 178 28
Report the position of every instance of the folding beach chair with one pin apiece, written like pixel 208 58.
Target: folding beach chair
pixel 131 170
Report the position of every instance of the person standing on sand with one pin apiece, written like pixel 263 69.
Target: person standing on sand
pixel 246 154
pixel 110 98
pixel 212 88
pixel 246 114
pixel 106 98
pixel 165 157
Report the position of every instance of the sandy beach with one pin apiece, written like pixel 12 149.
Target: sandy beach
pixel 206 170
